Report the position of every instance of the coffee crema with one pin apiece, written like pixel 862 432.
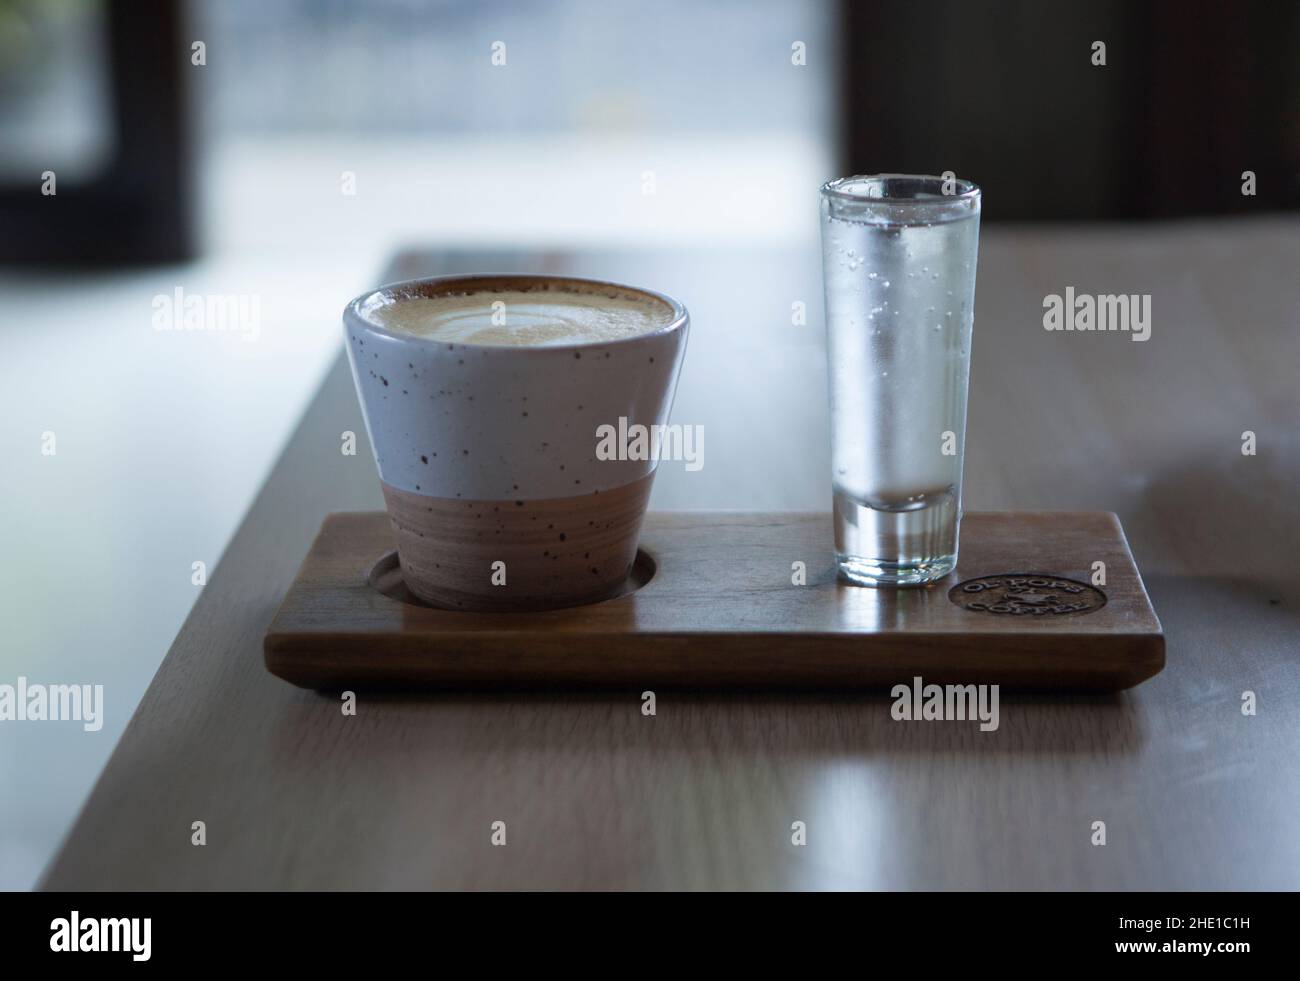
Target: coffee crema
pixel 524 317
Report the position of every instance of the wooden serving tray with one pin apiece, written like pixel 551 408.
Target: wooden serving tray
pixel 711 605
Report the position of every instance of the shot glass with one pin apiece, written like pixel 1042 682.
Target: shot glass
pixel 898 264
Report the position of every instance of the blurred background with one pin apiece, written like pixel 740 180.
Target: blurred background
pixel 282 154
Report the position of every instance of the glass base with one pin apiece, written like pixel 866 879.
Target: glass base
pixel 909 544
pixel 866 572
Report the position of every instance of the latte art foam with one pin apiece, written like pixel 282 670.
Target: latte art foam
pixel 524 318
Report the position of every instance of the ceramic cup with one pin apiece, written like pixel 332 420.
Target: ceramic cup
pixel 488 455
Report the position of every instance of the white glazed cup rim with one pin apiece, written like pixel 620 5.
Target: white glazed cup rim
pixel 354 313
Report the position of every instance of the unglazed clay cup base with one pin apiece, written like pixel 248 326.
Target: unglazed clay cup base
pixel 515 554
pixel 385 578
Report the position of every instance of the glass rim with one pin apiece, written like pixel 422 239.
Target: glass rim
pixel 967 191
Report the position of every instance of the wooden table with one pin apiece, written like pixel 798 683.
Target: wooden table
pixel 1194 793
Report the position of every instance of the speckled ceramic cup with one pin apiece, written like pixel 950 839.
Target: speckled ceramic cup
pixel 498 490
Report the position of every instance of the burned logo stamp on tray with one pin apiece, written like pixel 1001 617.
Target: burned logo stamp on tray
pixel 1027 594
